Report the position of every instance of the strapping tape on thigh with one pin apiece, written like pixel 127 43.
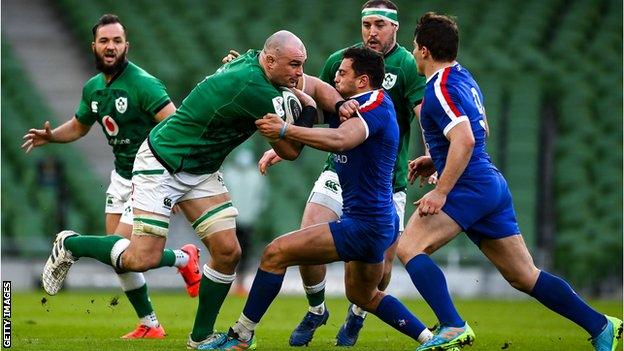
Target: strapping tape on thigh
pixel 150 225
pixel 215 219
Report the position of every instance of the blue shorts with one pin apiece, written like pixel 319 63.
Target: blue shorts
pixel 365 241
pixel 483 208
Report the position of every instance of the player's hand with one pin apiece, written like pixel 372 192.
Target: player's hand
pixel 431 203
pixel 230 56
pixel 348 109
pixel 305 99
pixel 422 167
pixel 176 209
pixel 270 126
pixel 37 137
pixel 268 159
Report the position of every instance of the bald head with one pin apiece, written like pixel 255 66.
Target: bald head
pixel 281 41
pixel 282 58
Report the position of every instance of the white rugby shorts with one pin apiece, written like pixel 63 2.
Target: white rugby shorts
pixel 157 191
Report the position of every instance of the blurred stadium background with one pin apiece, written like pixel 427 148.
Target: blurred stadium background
pixel 551 73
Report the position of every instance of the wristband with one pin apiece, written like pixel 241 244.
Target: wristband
pixel 282 132
pixel 338 104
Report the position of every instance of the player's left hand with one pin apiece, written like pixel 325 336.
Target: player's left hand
pixel 230 56
pixel 270 126
pixel 305 99
pixel 348 109
pixel 431 203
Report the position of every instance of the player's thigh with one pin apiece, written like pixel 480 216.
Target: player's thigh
pixel 512 258
pixel 362 279
pixel 426 234
pixel 112 222
pixel 325 200
pixel 311 245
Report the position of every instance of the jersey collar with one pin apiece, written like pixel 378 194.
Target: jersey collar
pixel 455 63
pixel 119 73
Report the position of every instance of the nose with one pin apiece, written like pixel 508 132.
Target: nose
pixel 299 71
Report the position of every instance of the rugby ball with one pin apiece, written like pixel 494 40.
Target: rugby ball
pixel 292 106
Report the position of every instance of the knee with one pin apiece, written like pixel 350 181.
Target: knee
pixel 523 280
pixel 367 301
pixel 227 255
pixel 272 257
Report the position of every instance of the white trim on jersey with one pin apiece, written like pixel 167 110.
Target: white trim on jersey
pixel 441 99
pixel 454 122
pixel 371 99
pixel 365 124
pixel 360 94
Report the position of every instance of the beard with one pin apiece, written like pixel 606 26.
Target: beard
pixel 115 67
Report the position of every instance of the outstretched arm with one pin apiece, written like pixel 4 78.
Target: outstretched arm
pixel 350 134
pixel 65 133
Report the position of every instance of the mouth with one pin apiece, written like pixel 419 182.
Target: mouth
pixel 371 44
pixel 109 57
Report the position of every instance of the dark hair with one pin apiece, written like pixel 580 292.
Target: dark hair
pixel 368 62
pixel 439 34
pixel 380 3
pixel 108 18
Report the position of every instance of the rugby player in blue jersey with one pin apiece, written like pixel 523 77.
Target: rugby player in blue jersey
pixel 365 148
pixel 471 196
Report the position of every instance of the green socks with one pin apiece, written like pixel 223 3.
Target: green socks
pixel 213 289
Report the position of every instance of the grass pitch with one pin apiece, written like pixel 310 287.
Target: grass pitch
pixel 95 320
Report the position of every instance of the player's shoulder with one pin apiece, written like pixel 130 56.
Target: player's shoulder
pixel 138 75
pixel 94 83
pixel 402 58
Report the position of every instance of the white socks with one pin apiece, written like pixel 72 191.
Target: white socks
pixel 425 336
pixel 244 328
pixel 181 258
pixel 150 320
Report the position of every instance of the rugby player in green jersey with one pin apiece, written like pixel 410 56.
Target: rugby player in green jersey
pixel 405 87
pixel 127 102
pixel 179 164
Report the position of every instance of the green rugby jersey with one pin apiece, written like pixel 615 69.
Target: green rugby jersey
pixel 125 108
pixel 216 116
pixel 406 88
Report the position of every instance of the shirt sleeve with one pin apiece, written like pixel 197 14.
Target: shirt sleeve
pixel 371 113
pixel 153 96
pixel 84 112
pixel 256 100
pixel 451 112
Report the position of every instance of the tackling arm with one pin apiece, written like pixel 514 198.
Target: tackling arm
pixel 350 134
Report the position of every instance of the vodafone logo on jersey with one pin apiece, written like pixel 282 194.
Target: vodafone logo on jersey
pixel 110 126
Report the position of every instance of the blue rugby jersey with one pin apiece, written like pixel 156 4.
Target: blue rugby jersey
pixel 452 96
pixel 366 171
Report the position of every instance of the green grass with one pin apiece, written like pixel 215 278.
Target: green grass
pixel 88 321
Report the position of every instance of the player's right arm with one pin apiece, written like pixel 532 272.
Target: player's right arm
pixel 67 132
pixel 349 135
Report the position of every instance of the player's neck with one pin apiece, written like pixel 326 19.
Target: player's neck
pixel 432 67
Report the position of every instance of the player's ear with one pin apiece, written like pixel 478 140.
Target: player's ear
pixel 363 81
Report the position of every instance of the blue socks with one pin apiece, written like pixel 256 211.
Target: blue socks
pixel 394 313
pixel 430 282
pixel 554 293
pixel 263 291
